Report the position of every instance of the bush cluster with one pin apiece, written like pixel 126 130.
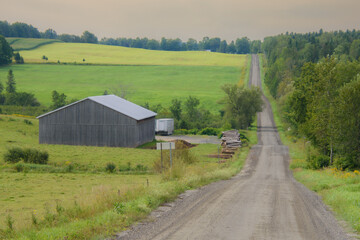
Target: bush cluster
pixel 205 131
pixel 28 155
pixel 317 162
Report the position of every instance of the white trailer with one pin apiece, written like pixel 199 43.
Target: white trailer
pixel 164 126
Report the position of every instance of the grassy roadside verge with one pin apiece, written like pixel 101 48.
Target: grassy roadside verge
pixel 136 204
pixel 339 190
pixel 116 201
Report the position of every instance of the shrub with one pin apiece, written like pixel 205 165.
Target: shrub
pixel 14 155
pixel 344 163
pixel 110 167
pixel 119 207
pixel 28 155
pixel 140 168
pixel 35 156
pixel 320 161
pixel 209 131
pixel 28 122
pixel 19 167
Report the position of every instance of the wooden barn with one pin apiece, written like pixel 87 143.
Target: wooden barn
pixel 105 120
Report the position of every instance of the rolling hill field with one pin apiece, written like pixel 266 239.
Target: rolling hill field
pixel 19 44
pixel 153 84
pixel 115 55
pixel 146 76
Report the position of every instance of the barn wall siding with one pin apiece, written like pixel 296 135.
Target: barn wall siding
pixel 92 124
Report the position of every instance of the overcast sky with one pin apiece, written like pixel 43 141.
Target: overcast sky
pixel 228 19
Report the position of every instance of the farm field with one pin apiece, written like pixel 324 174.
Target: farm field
pixel 115 55
pixel 146 75
pixel 19 44
pixel 44 190
pixel 153 84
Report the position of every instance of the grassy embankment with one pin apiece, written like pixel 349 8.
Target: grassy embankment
pixel 85 201
pixel 147 76
pixel 339 189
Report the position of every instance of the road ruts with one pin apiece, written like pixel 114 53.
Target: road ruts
pixel 261 202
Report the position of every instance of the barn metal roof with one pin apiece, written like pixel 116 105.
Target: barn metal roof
pixel 118 104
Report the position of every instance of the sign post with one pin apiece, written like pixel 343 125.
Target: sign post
pixel 165 146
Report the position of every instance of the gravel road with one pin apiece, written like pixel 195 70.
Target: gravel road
pixel 262 202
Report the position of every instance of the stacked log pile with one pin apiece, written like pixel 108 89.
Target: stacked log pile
pixel 230 140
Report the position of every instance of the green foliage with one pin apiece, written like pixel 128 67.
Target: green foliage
pixel 31 155
pixel 28 122
pixel 13 155
pixel 355 49
pixel 88 37
pixel 241 105
pixel 175 108
pixel 59 100
pixel 110 167
pixel 28 155
pixel 10 84
pixel 21 99
pixel 318 162
pixel 18 59
pixel 209 131
pixel 347 123
pixel 243 45
pixel 19 167
pixel 5 52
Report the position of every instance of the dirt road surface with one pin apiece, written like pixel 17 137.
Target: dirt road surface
pixel 262 202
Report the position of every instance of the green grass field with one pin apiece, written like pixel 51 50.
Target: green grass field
pixel 149 76
pixel 153 84
pixel 39 190
pixel 115 55
pixel 19 44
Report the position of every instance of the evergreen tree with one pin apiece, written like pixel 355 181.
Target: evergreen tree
pixel 10 84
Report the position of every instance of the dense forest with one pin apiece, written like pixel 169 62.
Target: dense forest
pixel 239 46
pixel 315 79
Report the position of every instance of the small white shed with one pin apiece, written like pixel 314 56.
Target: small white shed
pixel 164 126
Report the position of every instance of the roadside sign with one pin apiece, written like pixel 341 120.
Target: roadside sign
pixel 165 146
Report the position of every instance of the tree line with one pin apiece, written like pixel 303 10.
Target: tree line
pixel 315 79
pixel 239 46
pixel 239 108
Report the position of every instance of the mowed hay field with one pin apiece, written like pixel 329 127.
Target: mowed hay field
pixel 153 84
pixel 146 75
pixel 115 55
